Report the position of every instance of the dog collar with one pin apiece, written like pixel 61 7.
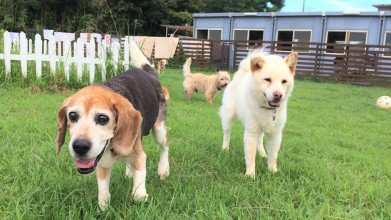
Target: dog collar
pixel 274 109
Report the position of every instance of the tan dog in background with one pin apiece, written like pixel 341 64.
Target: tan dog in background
pixel 161 65
pixel 207 84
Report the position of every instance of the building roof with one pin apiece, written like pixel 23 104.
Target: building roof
pixel 291 14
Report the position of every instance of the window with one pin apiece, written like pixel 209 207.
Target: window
pixel 249 35
pixel 387 42
pixel 291 37
pixel 209 34
pixel 344 37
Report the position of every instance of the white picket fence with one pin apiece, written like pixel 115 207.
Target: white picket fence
pixel 87 55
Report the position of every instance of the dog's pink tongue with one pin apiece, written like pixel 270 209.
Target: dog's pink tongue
pixel 85 163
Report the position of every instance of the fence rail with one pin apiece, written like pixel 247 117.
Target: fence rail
pixel 367 65
pixel 84 56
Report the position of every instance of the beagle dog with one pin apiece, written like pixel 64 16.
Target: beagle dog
pixel 107 122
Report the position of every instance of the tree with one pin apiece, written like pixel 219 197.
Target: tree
pixel 243 5
pixel 118 17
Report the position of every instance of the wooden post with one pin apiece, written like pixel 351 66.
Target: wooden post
pixel 91 59
pixel 79 56
pixel 23 53
pixel 52 54
pixel 67 57
pixel 38 55
pixel 126 53
pixel 103 57
pixel 7 52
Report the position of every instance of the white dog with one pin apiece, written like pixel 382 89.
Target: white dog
pixel 258 97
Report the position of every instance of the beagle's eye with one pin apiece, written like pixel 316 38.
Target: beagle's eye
pixel 102 119
pixel 268 80
pixel 73 116
pixel 284 81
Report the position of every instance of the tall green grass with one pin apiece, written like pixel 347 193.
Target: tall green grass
pixel 334 161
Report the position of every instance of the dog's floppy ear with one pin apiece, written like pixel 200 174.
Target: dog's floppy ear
pixel 61 125
pixel 128 126
pixel 256 63
pixel 291 61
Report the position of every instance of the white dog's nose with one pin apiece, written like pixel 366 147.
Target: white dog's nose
pixel 277 95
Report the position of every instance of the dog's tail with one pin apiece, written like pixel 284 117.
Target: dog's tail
pixel 186 67
pixel 137 57
pixel 166 93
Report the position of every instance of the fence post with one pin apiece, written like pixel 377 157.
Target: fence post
pixel 67 57
pixel 115 46
pixel 126 53
pixel 202 51
pixel 30 43
pixel 38 55
pixel 91 56
pixel 103 57
pixel 23 53
pixel 79 56
pixel 7 52
pixel 52 54
pixel 317 61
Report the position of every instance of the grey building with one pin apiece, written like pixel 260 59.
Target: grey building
pixel 371 28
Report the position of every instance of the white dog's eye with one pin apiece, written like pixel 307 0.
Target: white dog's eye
pixel 73 116
pixel 284 81
pixel 102 119
pixel 268 80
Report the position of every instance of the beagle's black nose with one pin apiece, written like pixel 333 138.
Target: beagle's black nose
pixel 81 146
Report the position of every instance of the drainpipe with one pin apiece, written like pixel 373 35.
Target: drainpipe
pixel 231 56
pixel 382 26
pixel 274 21
pixel 194 27
pixel 324 22
pixel 273 24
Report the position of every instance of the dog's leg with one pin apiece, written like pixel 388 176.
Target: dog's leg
pixel 227 118
pixel 103 172
pixel 250 151
pixel 260 147
pixel 139 174
pixel 209 96
pixel 129 170
pixel 160 134
pixel 189 93
pixel 103 176
pixel 272 147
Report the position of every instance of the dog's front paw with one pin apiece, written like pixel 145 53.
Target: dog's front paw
pixel 163 170
pixel 142 197
pixel 225 147
pixel 250 173
pixel 272 167
pixel 262 152
pixel 104 200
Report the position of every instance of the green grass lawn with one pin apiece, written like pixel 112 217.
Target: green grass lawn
pixel 334 162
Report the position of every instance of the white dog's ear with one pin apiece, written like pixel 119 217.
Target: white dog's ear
pixel 256 63
pixel 291 61
pixel 61 125
pixel 128 126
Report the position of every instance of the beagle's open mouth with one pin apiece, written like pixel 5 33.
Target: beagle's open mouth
pixel 87 166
